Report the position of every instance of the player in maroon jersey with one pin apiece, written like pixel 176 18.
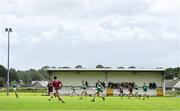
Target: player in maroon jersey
pixel 50 90
pixel 57 86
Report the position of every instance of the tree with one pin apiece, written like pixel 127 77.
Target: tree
pixel 20 75
pixel 79 66
pixel 131 67
pixel 2 82
pixel 35 75
pixel 27 78
pixel 99 66
pixel 66 67
pixel 45 67
pixel 30 75
pixel 3 72
pixel 172 73
pixel 44 72
pixel 53 67
pixel 13 75
pixel 120 67
pixel 107 67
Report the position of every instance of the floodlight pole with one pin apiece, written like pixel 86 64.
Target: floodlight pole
pixel 164 84
pixel 8 30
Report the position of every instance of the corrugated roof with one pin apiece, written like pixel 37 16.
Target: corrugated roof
pixel 105 69
pixel 41 83
pixel 177 85
pixel 171 83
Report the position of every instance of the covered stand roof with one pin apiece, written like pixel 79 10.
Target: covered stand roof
pixel 103 69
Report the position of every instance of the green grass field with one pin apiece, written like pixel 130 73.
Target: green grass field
pixel 37 102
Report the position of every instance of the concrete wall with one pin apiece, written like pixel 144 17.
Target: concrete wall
pixel 75 78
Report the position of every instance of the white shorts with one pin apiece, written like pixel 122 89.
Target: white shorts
pixel 54 91
pixel 15 89
pixel 85 90
pixel 136 92
pixel 51 94
pixel 145 93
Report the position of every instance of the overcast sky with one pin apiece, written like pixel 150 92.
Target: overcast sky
pixel 143 33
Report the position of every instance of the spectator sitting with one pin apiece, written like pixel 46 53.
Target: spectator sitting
pixel 150 85
pixel 86 84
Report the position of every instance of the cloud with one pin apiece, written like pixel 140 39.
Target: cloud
pixel 165 7
pixel 170 7
pixel 143 33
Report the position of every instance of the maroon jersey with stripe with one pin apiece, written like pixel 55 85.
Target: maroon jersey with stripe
pixel 57 84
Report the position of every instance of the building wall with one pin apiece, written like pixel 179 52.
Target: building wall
pixel 75 78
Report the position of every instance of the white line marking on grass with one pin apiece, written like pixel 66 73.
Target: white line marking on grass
pixel 88 110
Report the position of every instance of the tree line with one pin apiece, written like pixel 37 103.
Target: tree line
pixel 172 73
pixel 27 76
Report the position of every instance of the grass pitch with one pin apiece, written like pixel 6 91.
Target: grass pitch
pixel 38 102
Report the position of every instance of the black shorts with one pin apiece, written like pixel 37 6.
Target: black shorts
pixel 50 90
